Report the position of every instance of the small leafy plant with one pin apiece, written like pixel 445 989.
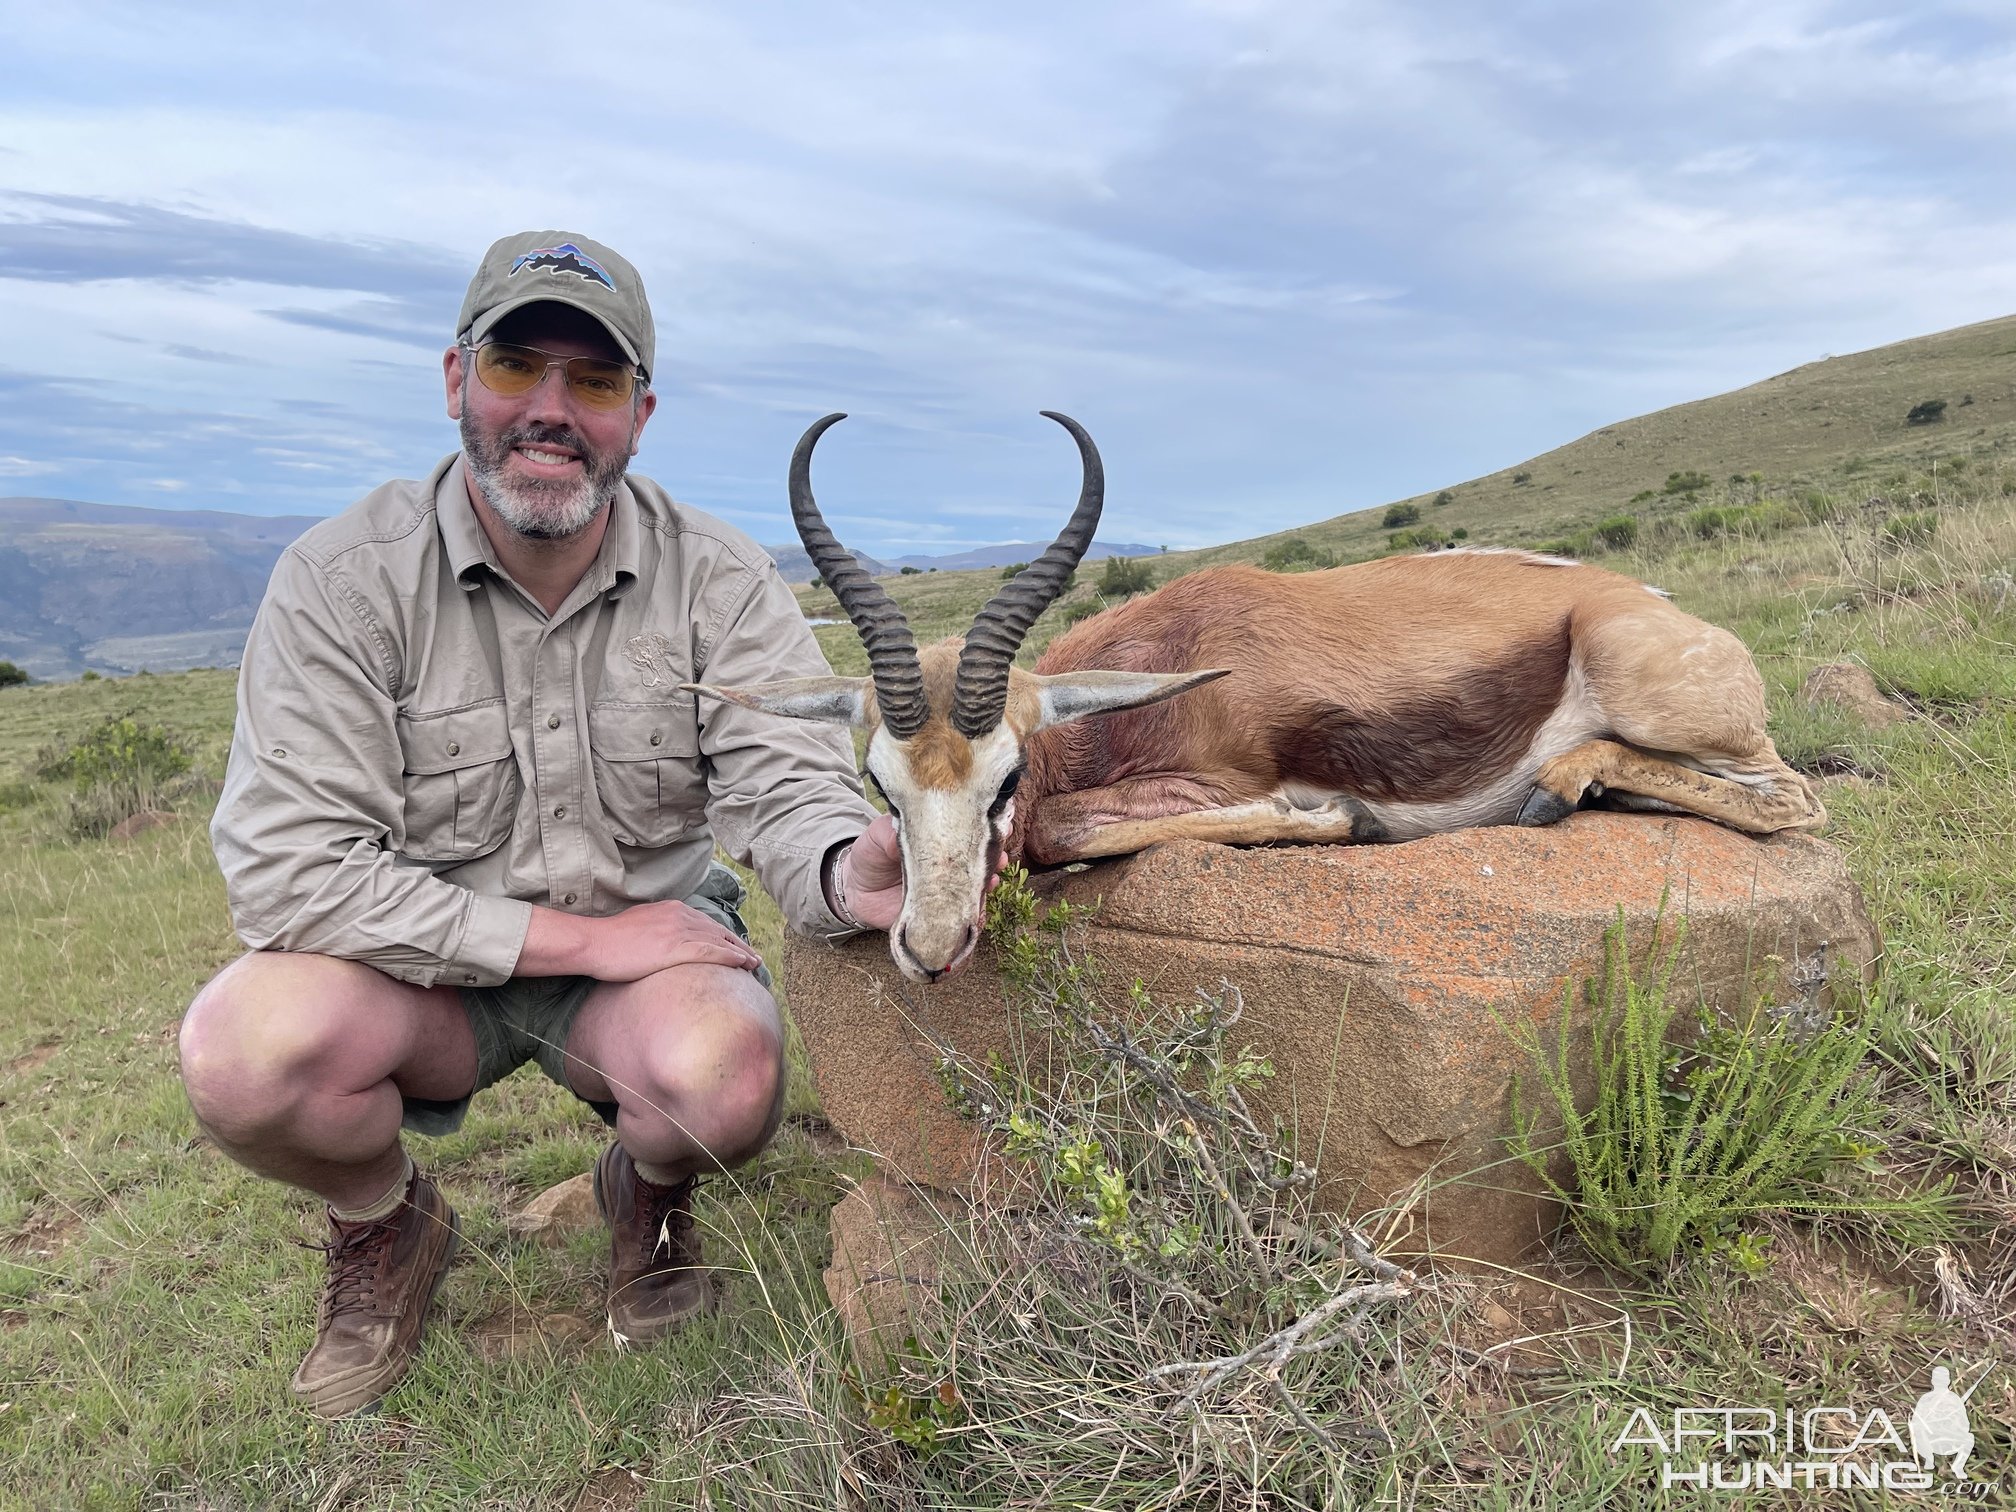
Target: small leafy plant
pixel 1689 1136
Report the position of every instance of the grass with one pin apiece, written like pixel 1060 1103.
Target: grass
pixel 152 1304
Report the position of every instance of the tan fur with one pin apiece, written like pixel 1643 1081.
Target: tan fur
pixel 940 757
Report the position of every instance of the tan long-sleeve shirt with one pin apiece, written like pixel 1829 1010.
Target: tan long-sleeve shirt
pixel 422 752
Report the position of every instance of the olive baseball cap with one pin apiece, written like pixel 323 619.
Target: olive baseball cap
pixel 567 269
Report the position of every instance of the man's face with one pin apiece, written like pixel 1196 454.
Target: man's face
pixel 546 463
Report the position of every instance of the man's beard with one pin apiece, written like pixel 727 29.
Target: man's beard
pixel 535 508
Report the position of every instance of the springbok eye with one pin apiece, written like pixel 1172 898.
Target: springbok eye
pixel 1008 785
pixel 883 793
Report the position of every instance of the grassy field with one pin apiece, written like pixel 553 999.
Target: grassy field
pixel 153 1302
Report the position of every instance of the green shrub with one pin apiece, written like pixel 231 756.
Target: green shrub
pixel 1686 1141
pixel 89 676
pixel 1926 412
pixel 1715 521
pixel 1521 479
pixel 1013 569
pixel 1444 498
pixel 1421 538
pixel 1400 514
pixel 116 770
pixel 12 676
pixel 1688 483
pixel 1084 609
pixel 1297 555
pixel 1914 529
pixel 1459 534
pixel 1617 533
pixel 1123 577
pixel 908 571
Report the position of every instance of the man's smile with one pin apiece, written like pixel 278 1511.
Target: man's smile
pixel 548 461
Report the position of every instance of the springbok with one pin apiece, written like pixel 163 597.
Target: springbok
pixel 1381 701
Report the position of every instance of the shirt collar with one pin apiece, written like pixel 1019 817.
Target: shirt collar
pixel 469 548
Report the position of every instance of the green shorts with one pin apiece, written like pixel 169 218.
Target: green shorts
pixel 528 1018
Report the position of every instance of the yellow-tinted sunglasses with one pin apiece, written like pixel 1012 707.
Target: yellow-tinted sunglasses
pixel 511 370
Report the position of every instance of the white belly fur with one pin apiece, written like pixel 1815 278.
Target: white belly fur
pixel 1575 719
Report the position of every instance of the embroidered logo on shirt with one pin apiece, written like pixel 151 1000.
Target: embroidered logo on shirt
pixel 565 258
pixel 653 655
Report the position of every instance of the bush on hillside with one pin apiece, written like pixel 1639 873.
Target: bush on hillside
pixel 116 770
pixel 1123 577
pixel 1423 538
pixel 1297 555
pixel 1926 412
pixel 1012 569
pixel 1521 479
pixel 12 676
pixel 1617 533
pixel 908 571
pixel 1688 483
pixel 1084 609
pixel 1443 498
pixel 1400 514
pixel 1910 529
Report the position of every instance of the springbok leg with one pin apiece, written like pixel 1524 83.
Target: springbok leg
pixel 1764 797
pixel 1267 821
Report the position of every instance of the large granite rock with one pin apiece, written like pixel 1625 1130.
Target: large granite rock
pixel 1381 980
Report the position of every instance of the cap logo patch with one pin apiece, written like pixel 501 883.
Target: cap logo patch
pixel 565 258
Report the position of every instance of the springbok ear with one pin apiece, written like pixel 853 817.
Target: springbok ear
pixel 830 700
pixel 1073 695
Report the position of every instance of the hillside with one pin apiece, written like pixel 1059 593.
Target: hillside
pixel 1836 426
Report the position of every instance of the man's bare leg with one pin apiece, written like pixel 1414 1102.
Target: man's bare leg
pixel 296 1065
pixel 693 1058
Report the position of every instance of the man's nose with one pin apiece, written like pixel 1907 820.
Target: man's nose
pixel 549 399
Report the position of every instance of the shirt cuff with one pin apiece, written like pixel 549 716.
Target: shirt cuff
pixel 819 917
pixel 493 935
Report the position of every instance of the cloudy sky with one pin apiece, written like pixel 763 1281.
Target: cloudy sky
pixel 1284 259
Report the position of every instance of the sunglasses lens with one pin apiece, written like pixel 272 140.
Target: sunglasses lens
pixel 510 370
pixel 604 385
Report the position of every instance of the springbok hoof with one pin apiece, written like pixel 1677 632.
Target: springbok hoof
pixel 1544 807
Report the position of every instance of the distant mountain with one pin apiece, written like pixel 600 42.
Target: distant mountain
pixel 118 589
pixel 794 566
pixel 1014 551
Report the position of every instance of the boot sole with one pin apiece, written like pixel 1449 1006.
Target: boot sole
pixel 362 1400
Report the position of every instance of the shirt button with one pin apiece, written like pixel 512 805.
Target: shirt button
pixel 656 738
pixel 568 900
pixel 560 812
pixel 552 721
pixel 454 749
pixel 470 979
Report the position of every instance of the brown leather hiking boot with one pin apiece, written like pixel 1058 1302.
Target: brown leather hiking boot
pixel 656 1279
pixel 382 1276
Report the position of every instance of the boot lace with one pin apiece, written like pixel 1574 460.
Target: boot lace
pixel 668 1219
pixel 355 1256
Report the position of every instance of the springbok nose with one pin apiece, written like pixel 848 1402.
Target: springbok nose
pixel 967 938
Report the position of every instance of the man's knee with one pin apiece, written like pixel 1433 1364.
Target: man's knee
pixel 722 1070
pixel 265 1031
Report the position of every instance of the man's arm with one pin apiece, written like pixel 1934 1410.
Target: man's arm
pixel 784 794
pixel 313 803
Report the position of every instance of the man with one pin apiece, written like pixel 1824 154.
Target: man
pixel 469 821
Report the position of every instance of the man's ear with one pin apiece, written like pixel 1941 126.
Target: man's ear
pixel 830 700
pixel 451 373
pixel 1074 695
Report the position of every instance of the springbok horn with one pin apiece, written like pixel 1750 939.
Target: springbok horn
pixel 892 650
pixel 980 694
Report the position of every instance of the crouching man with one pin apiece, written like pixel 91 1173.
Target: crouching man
pixel 470 817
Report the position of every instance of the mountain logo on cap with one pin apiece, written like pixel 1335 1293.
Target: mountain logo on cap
pixel 565 258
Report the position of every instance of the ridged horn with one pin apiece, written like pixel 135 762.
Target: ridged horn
pixel 892 650
pixel 980 694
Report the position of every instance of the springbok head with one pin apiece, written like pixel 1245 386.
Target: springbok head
pixel 947 725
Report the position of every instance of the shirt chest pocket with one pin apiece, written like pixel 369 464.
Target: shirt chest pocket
pixel 648 773
pixel 461 782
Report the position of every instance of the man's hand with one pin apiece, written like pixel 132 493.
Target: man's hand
pixel 874 878
pixel 625 947
pixel 873 883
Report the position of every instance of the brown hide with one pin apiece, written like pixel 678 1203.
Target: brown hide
pixel 1414 677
